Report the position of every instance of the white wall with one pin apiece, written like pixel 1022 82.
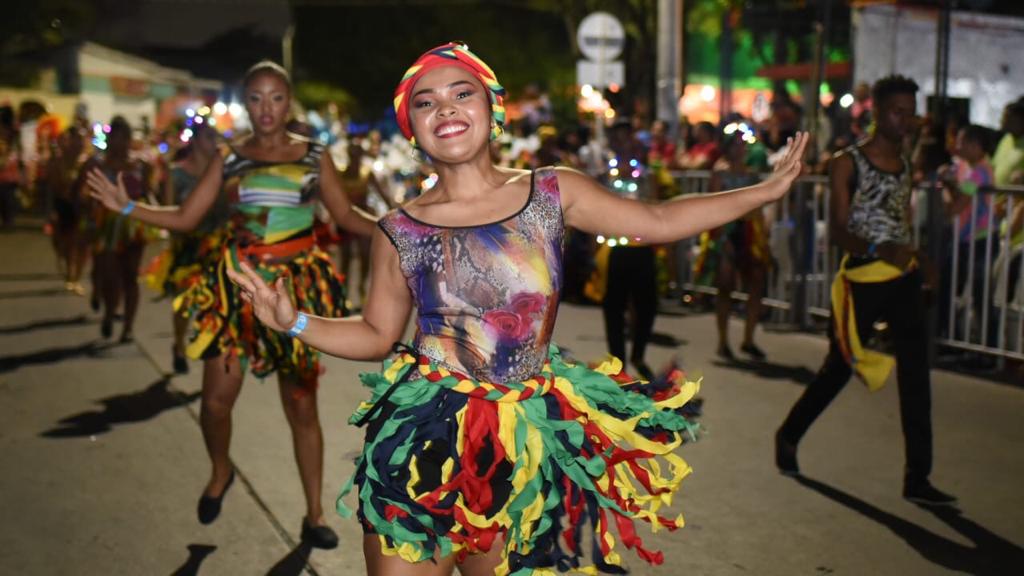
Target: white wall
pixel 986 55
pixel 103 106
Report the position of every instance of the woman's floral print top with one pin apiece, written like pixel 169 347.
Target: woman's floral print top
pixel 486 296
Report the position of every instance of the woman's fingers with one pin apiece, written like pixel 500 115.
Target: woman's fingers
pixel 796 150
pixel 97 181
pixel 242 281
pixel 803 137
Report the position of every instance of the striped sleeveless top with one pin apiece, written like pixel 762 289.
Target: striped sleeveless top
pixel 271 202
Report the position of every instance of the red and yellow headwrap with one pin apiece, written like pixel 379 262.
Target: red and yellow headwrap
pixel 451 54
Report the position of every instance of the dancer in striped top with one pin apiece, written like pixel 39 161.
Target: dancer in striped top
pixel 271 180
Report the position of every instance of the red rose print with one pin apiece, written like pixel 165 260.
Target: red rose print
pixel 509 325
pixel 526 304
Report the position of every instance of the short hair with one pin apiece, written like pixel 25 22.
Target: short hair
pixel 118 123
pixel 267 67
pixel 891 85
pixel 975 133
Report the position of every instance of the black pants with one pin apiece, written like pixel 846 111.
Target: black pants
pixel 8 203
pixel 631 279
pixel 899 303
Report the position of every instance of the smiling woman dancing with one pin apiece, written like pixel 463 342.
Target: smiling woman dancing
pixel 484 445
pixel 271 180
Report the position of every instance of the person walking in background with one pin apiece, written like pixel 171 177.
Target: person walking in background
pixel 738 250
pixel 631 283
pixel 70 240
pixel 118 241
pixel 881 277
pixel 271 180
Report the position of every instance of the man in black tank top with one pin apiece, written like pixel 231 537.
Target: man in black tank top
pixel 870 221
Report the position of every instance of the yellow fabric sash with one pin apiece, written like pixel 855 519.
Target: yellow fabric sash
pixel 873 368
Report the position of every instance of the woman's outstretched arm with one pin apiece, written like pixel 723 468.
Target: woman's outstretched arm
pixel 590 207
pixel 183 218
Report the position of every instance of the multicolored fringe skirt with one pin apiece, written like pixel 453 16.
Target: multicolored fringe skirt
pixel 180 266
pixel 451 463
pixel 743 242
pixel 222 324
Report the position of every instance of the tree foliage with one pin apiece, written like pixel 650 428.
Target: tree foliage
pixel 32 29
pixel 365 49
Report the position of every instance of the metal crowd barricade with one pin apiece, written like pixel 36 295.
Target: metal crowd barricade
pixel 983 308
pixel 983 275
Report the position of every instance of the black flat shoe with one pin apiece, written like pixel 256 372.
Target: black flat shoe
pixel 753 351
pixel 725 353
pixel 106 328
pixel 209 506
pixel 785 456
pixel 180 363
pixel 927 495
pixel 319 536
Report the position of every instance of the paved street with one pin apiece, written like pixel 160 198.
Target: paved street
pixel 103 459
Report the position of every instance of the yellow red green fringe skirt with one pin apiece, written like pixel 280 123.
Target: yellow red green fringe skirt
pixel 450 463
pixel 180 266
pixel 223 324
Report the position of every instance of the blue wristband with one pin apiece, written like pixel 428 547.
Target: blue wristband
pixel 128 208
pixel 299 326
pixel 872 249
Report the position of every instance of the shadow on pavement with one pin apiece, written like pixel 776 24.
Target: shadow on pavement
pixel 196 554
pixel 294 563
pixel 770 371
pixel 990 555
pixel 122 409
pixel 37 293
pixel 666 340
pixel 28 276
pixel 39 324
pixel 52 355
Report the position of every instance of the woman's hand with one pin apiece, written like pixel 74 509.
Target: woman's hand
pixel 788 168
pixel 112 196
pixel 272 306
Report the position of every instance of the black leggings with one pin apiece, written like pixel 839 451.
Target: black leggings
pixel 631 278
pixel 899 303
pixel 8 203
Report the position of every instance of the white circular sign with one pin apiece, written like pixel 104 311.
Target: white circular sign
pixel 601 37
